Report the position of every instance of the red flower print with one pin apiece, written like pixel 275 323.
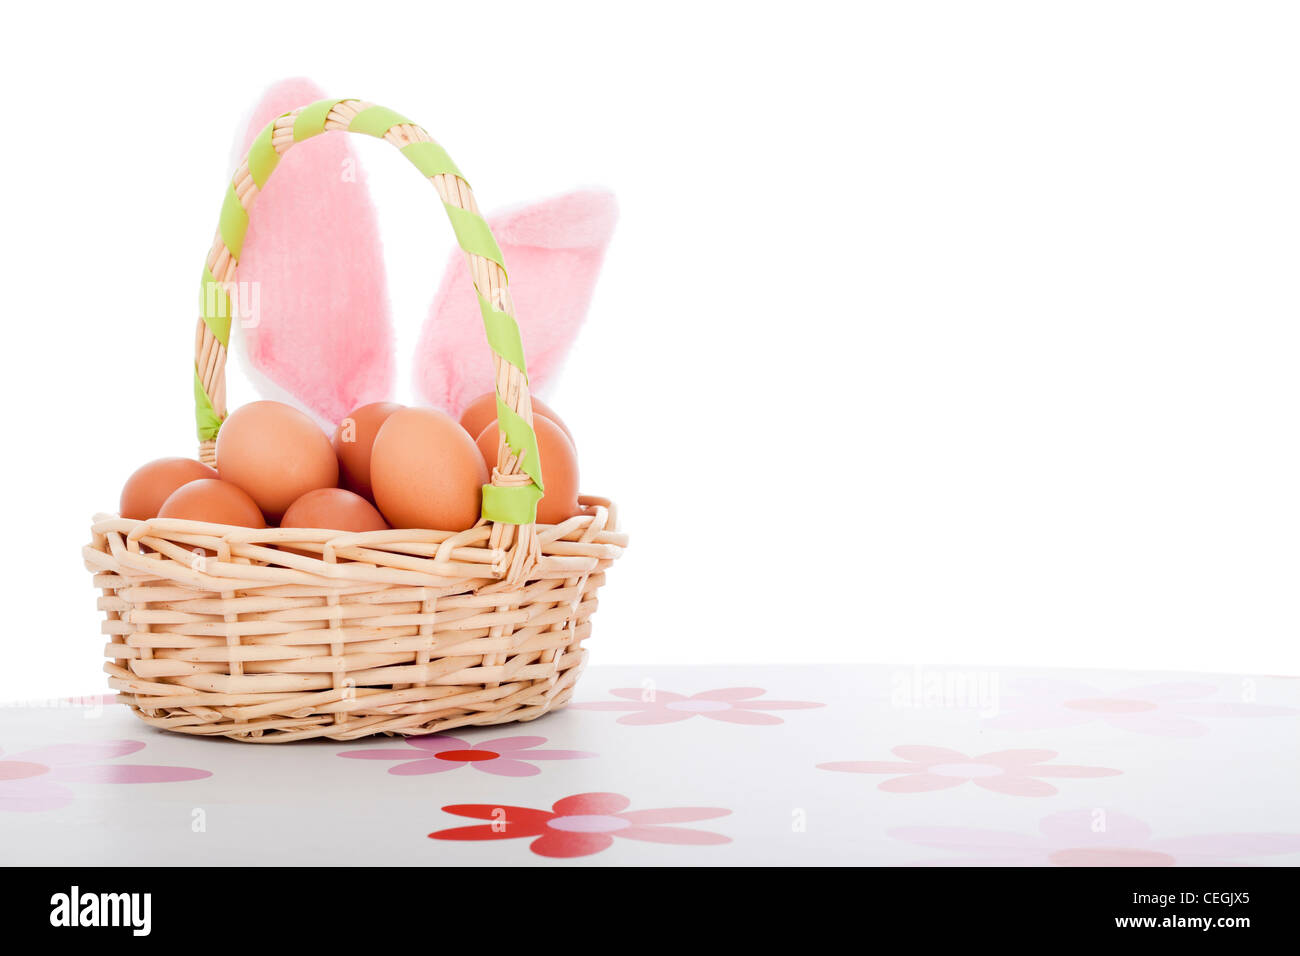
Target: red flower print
pixel 1013 772
pixel 734 705
pixel 435 753
pixel 583 824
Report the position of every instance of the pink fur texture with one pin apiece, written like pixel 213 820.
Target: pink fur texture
pixel 323 333
pixel 553 251
pixel 324 339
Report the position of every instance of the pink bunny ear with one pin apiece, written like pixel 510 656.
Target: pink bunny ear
pixel 553 251
pixel 322 333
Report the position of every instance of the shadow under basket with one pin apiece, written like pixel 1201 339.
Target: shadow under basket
pixel 277 635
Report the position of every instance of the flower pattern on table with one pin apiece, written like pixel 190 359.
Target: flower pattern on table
pixel 1168 709
pixel 733 705
pixel 583 824
pixel 437 753
pixel 1092 838
pixel 1015 772
pixel 35 780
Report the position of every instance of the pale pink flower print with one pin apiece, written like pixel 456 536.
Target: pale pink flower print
pixel 1015 772
pixel 1092 838
pixel 734 705
pixel 35 780
pixel 1169 709
pixel 437 753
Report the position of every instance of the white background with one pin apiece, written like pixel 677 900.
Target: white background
pixel 961 333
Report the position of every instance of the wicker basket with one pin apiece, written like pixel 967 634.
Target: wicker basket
pixel 285 634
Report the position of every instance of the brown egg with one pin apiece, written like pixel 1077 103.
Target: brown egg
pixel 334 509
pixel 276 454
pixel 214 501
pixel 426 471
pixel 353 440
pixel 559 468
pixel 151 485
pixel 481 412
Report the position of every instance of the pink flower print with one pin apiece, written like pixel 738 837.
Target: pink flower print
pixel 435 753
pixel 1166 709
pixel 735 705
pixel 1014 772
pixel 34 780
pixel 1092 838
pixel 583 824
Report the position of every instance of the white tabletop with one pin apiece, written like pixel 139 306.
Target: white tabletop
pixel 735 765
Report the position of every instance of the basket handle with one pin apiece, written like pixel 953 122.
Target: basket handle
pixel 512 496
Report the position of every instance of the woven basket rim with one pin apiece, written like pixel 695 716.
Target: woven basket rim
pixel 352 642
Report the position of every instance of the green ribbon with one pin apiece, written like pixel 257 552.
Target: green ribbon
pixel 522 441
pixel 204 414
pixel 512 505
pixel 310 120
pixel 473 234
pixel 262 157
pixel 376 121
pixel 430 159
pixel 215 307
pixel 233 223
pixel 502 333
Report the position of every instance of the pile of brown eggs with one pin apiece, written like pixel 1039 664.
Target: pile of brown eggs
pixel 387 465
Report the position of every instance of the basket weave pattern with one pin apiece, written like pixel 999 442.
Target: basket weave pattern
pixel 275 635
pixel 387 631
